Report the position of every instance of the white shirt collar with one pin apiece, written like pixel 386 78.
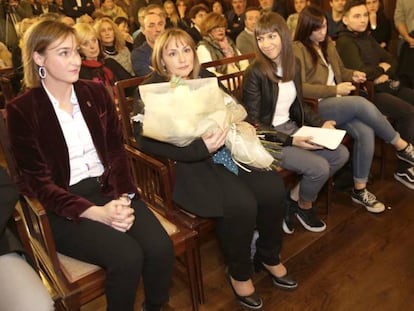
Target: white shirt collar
pixel 55 102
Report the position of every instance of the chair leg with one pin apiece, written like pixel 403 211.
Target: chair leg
pixel 191 258
pixel 200 283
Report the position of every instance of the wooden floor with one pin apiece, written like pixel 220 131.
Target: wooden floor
pixel 361 262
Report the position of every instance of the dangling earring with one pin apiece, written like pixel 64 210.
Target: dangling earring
pixel 42 72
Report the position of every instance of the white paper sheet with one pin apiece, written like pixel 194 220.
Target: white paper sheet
pixel 328 138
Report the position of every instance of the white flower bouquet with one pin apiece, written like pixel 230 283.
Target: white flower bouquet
pixel 179 112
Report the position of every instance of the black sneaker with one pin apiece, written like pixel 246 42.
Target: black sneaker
pixel 407 154
pixel 310 220
pixel 406 178
pixel 369 200
pixel 291 207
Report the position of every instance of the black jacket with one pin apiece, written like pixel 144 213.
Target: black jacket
pixel 260 96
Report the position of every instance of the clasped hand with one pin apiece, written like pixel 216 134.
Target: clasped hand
pixel 116 213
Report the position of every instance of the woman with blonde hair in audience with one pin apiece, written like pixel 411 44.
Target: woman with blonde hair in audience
pixel 112 42
pixel 172 15
pixel 238 200
pixel 110 9
pixel 95 66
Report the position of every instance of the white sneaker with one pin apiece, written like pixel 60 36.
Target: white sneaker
pixel 369 200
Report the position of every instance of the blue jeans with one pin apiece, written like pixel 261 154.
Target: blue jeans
pixel 362 120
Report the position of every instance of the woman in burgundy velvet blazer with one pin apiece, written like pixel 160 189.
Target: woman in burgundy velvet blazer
pixel 67 143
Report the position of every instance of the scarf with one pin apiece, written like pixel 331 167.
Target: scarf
pixel 99 71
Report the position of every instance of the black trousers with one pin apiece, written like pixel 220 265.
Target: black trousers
pixel 252 201
pixel 144 250
pixel 400 108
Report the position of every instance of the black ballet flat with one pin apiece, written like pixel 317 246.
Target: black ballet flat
pixel 284 282
pixel 252 301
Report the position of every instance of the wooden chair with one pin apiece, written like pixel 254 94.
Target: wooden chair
pixel 152 180
pixel 228 60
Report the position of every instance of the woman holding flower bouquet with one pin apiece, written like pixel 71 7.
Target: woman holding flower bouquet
pixel 209 184
pixel 272 95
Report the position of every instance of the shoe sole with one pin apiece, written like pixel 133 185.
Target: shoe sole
pixel 286 228
pixel 405 183
pixel 309 228
pixel 285 287
pixel 404 159
pixel 249 306
pixel 369 209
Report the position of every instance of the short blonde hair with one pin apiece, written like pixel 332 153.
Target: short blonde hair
pixel 37 39
pixel 119 41
pixel 211 21
pixel 162 42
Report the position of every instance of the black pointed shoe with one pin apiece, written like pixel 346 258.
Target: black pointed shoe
pixel 252 301
pixel 283 282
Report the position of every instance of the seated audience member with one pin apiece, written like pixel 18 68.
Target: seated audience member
pixel 85 18
pixel 21 288
pixel 123 26
pixel 235 18
pixel 150 9
pixel 217 6
pixel 334 17
pixel 138 33
pixel 216 45
pixel 182 10
pixel 172 14
pixel 245 41
pixel 112 42
pixel 126 6
pixel 70 21
pixel 238 200
pixel 138 4
pixel 81 175
pixel 152 28
pixel 44 6
pixel 76 8
pixel 197 15
pixel 360 51
pixel 277 6
pixel 272 95
pixel 325 77
pixel 292 20
pixel 95 66
pixel 404 22
pixel 379 25
pixel 110 9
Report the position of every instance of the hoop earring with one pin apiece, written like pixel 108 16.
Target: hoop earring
pixel 42 72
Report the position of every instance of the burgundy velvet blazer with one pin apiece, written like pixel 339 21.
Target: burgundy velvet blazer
pixel 41 153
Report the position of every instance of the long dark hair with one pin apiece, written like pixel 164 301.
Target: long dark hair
pixel 310 19
pixel 273 22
